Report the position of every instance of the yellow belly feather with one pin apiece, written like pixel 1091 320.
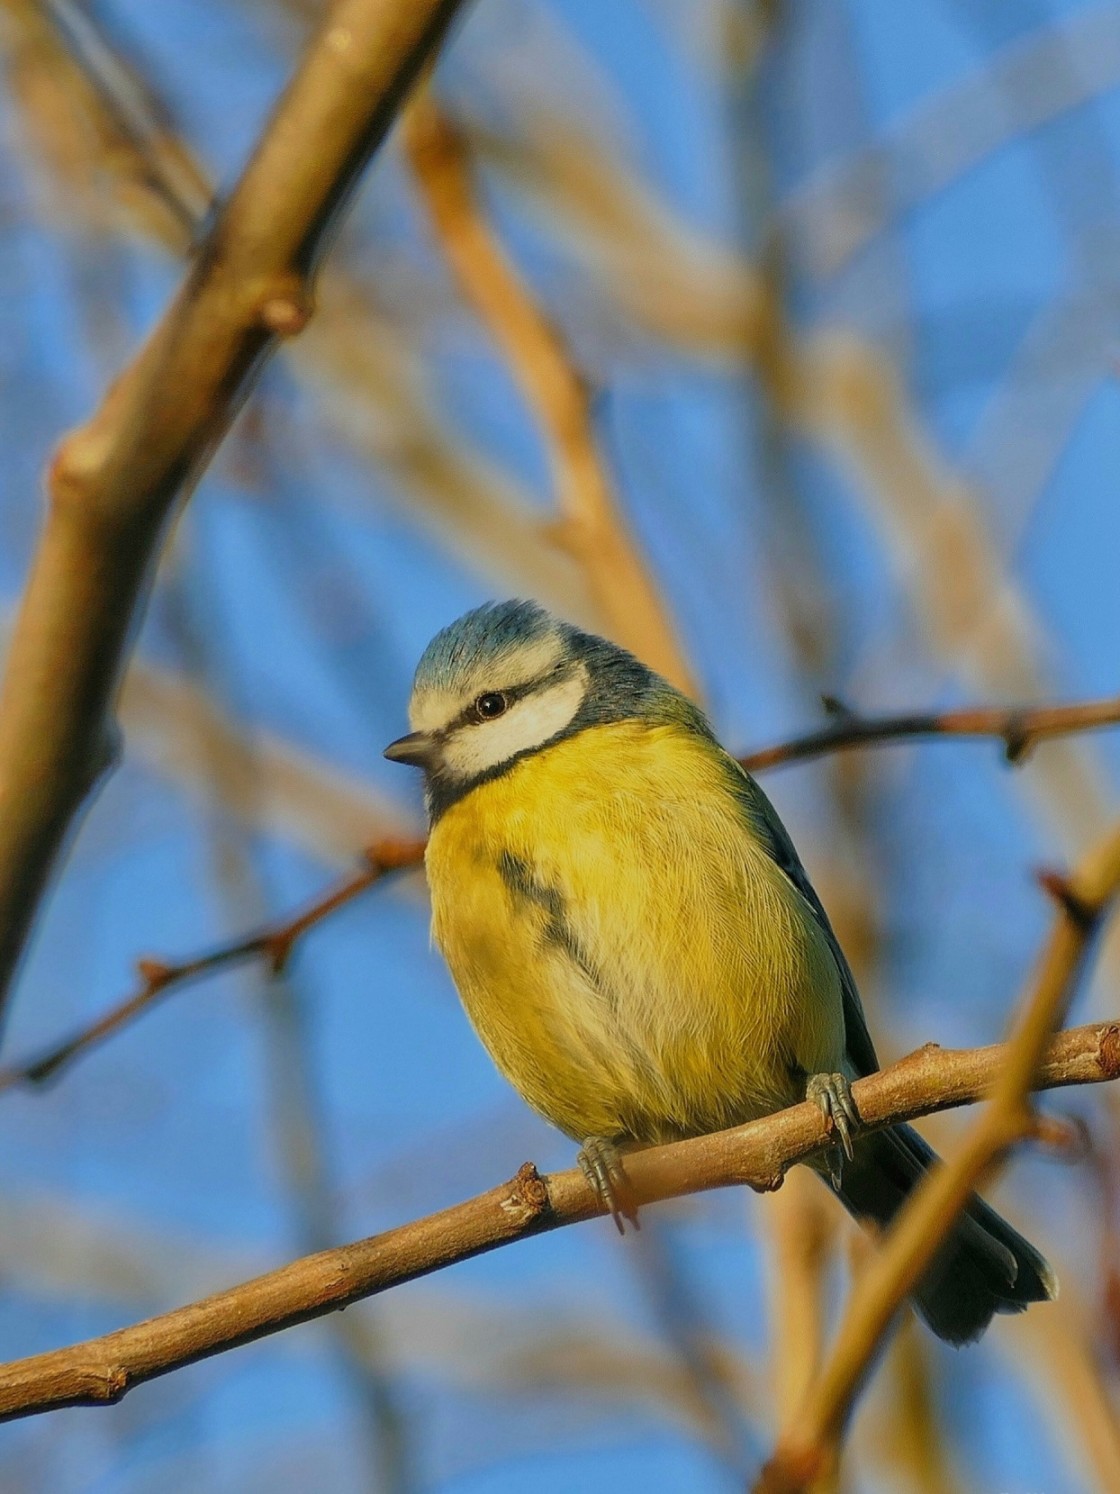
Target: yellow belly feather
pixel 632 958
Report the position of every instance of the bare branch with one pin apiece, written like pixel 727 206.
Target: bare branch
pixel 273 945
pixel 103 1370
pixel 114 482
pixel 1019 729
pixel 592 527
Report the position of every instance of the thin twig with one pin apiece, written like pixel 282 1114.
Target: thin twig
pixel 114 483
pixel 592 527
pixel 274 945
pixel 1018 729
pixel 809 1447
pixel 103 1370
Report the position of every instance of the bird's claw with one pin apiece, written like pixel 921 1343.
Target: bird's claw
pixel 601 1163
pixel 832 1094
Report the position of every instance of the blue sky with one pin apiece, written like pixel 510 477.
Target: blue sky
pixel 973 269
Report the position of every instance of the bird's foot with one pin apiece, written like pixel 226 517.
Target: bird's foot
pixel 601 1162
pixel 832 1094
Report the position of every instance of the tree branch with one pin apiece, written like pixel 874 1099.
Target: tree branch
pixel 114 482
pixel 274 945
pixel 1019 728
pixel 103 1370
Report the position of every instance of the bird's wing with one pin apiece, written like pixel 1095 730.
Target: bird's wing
pixel 765 824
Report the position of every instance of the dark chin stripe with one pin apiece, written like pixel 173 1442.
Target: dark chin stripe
pixel 619 689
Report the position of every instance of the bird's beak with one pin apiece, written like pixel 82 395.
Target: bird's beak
pixel 418 748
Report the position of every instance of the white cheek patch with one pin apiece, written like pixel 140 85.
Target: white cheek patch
pixel 528 723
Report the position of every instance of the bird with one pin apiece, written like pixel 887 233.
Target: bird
pixel 635 940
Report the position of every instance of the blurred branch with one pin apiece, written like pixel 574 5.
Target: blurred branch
pixel 809 1447
pixel 173 726
pixel 802 1235
pixel 592 527
pixel 1019 729
pixel 908 1439
pixel 1053 69
pixel 663 276
pixel 84 112
pixel 145 145
pixel 102 1370
pixel 1064 1361
pixel 272 945
pixel 293 1104
pixel 114 482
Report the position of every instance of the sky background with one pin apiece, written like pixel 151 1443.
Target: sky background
pixel 924 197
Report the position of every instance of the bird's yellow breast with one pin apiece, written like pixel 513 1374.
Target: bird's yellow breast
pixel 628 951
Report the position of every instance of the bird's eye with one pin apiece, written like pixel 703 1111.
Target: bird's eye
pixel 490 705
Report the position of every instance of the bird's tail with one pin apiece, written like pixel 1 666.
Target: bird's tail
pixel 984 1266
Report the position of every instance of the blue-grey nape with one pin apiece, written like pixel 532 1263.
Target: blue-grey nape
pixel 486 633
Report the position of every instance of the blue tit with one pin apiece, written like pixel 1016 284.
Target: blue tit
pixel 634 937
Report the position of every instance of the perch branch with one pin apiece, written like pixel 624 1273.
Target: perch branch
pixel 102 1370
pixel 113 483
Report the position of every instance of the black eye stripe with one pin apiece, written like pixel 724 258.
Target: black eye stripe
pixel 511 694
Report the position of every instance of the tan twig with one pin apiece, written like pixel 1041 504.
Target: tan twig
pixel 801 1230
pixel 592 526
pixel 146 148
pixel 1062 1355
pixel 810 1447
pixel 114 482
pixel 103 1370
pixel 1018 729
pixel 273 945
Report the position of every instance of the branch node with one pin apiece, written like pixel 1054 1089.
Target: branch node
pixel 277 950
pixel 836 708
pixel 154 973
pixel 287 312
pixel 1018 741
pixel 1109 1051
pixel 527 1200
pixel 1083 915
pixel 1066 1137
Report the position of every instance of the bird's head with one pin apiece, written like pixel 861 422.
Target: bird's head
pixel 509 679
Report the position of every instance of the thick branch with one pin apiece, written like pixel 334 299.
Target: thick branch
pixel 113 483
pixel 102 1370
